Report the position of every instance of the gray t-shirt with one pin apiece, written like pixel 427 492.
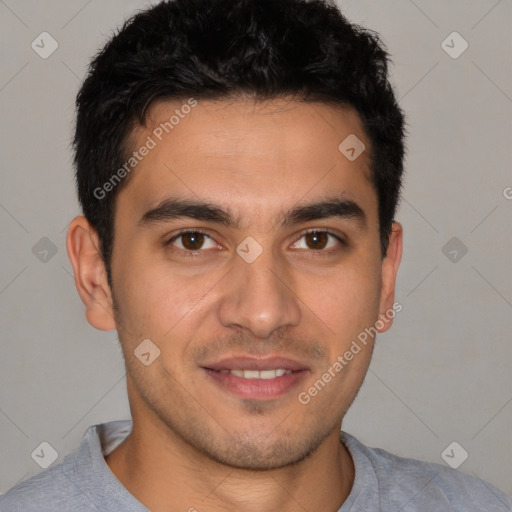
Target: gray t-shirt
pixel 83 482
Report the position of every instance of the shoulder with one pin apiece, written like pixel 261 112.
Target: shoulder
pixel 81 482
pixel 50 490
pixel 415 484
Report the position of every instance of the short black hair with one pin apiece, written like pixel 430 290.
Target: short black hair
pixel 223 49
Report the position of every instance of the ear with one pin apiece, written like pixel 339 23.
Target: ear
pixel 390 265
pixel 82 244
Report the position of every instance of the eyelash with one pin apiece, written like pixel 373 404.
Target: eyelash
pixel 182 251
pixel 316 253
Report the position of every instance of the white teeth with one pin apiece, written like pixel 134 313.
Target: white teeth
pixel 255 374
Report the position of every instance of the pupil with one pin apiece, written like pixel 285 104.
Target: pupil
pixel 316 240
pixel 193 241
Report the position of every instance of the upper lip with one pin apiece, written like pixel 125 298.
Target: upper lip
pixel 256 363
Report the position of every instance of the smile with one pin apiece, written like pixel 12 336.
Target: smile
pixel 255 374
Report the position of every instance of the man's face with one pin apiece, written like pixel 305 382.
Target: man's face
pixel 212 303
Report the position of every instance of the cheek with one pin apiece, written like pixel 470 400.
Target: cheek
pixel 347 301
pixel 157 300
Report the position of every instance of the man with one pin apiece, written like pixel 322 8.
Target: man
pixel 239 165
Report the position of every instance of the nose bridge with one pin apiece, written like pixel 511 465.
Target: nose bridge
pixel 259 295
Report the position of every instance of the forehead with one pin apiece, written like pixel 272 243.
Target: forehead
pixel 245 153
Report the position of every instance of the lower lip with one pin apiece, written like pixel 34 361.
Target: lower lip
pixel 257 389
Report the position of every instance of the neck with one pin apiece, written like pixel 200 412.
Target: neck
pixel 164 473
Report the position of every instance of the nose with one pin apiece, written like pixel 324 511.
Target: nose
pixel 258 297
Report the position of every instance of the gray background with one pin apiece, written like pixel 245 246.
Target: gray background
pixel 442 373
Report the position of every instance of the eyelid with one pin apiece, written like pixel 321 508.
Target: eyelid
pixel 340 239
pixel 185 231
pixel 169 241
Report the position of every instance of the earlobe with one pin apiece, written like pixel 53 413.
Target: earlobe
pixel 390 266
pixel 91 282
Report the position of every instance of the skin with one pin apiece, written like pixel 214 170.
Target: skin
pixel 194 445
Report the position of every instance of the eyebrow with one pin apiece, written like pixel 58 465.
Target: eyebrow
pixel 173 208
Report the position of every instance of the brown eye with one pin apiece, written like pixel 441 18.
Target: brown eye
pixel 192 241
pixel 316 240
pixel 319 241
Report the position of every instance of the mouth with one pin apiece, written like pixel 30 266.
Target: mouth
pixel 256 378
pixel 255 374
